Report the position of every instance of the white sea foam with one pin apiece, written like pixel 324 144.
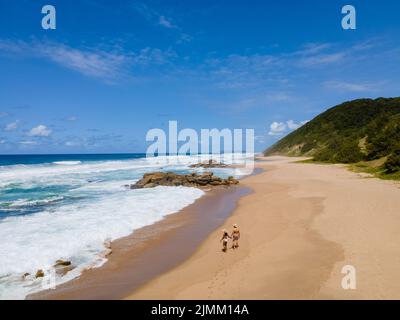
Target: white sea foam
pixel 67 163
pixel 78 232
pixel 96 207
pixel 26 202
pixel 24 173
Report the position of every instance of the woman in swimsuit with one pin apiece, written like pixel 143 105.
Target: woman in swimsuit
pixel 235 236
pixel 224 239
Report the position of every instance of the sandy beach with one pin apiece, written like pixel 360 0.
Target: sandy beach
pixel 300 226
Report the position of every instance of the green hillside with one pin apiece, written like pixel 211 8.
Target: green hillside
pixel 361 130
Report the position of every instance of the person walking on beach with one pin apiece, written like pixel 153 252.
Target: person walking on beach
pixel 224 239
pixel 235 236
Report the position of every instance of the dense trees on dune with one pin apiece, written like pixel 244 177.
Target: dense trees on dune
pixel 359 130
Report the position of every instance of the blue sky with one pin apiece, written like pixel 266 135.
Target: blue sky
pixel 114 69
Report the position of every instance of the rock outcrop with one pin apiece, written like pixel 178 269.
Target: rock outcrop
pixel 39 274
pixel 25 275
pixel 61 262
pixel 209 164
pixel 207 179
pixel 62 267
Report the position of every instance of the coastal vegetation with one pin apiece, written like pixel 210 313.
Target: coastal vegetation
pixel 364 133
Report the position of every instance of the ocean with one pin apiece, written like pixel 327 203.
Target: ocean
pixel 68 206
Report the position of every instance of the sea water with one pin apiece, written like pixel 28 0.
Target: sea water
pixel 68 206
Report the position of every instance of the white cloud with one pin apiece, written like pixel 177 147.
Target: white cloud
pixel 282 69
pixel 28 142
pixel 315 54
pixel 184 37
pixel 277 128
pixel 95 63
pixel 39 131
pixel 352 87
pixel 12 126
pixel 71 143
pixel 322 59
pixel 92 62
pixel 159 19
pixel 155 56
pixel 166 23
pixel 2 141
pixel 313 48
pixel 293 125
pixel 71 118
pixel 153 16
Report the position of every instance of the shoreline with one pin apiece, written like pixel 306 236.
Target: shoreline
pixel 127 267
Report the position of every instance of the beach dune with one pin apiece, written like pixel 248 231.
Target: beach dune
pixel 300 226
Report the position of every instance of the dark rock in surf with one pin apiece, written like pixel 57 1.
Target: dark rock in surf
pixel 61 262
pixel 209 164
pixel 206 179
pixel 25 275
pixel 62 267
pixel 39 274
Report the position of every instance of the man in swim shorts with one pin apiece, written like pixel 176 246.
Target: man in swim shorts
pixel 235 236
